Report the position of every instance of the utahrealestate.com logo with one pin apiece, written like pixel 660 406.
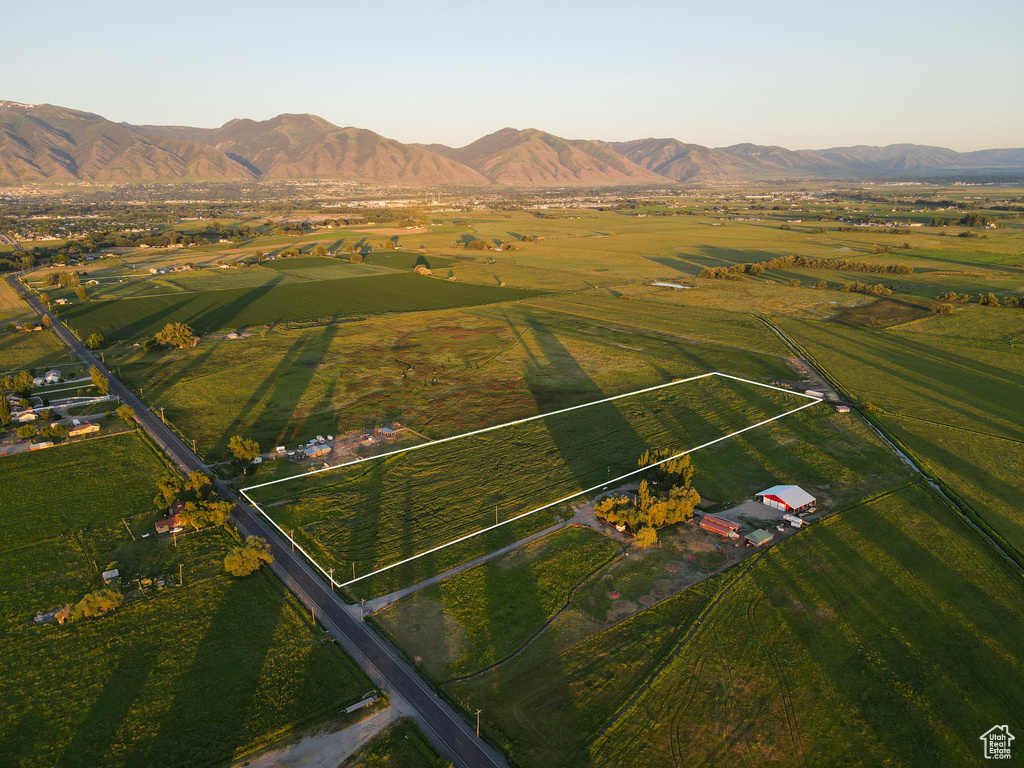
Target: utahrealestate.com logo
pixel 997 742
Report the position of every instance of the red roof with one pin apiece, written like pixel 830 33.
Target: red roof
pixel 715 527
pixel 722 522
pixel 177 507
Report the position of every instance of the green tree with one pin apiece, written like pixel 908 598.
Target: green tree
pixel 26 431
pixel 243 448
pixel 320 250
pixel 200 484
pixel 125 413
pixel 97 603
pixel 168 488
pixel 95 341
pixel 356 257
pixel 82 293
pixel 646 537
pixel 45 321
pixel 22 382
pixel 177 335
pixel 101 382
pixel 5 411
pixel 247 559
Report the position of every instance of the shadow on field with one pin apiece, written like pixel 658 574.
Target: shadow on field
pixel 99 730
pixel 17 743
pixel 866 631
pixel 950 380
pixel 278 396
pixel 239 634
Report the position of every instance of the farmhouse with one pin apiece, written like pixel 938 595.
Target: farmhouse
pixel 718 525
pixel 38 381
pixel 84 428
pixel 788 498
pixel 168 523
pixel 52 377
pixel 758 537
pixel 25 416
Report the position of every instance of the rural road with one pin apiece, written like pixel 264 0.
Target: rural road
pixel 446 728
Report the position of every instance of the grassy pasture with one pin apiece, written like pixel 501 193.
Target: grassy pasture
pixel 811 658
pixel 189 676
pixel 485 614
pixel 449 372
pixel 270 305
pixel 23 351
pixel 401 745
pixel 382 511
pixel 814 658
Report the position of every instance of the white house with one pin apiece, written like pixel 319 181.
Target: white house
pixel 52 377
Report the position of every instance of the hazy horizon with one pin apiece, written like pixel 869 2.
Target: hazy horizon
pixel 794 75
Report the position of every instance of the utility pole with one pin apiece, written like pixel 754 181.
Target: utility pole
pixel 353 570
pixel 181 580
pixel 162 415
pixel 361 604
pixel 478 723
pixel 331 575
pixel 495 514
pixel 292 537
pixel 129 529
pixel 175 535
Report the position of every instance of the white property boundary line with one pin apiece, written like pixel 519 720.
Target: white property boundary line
pixel 330 577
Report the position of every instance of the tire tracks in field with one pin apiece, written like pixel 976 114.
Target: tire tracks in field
pixel 673 654
pixel 529 641
pixel 787 694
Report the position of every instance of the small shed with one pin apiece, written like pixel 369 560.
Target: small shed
pixel 758 537
pixel 112 576
pixel 842 409
pixel 386 431
pixel 788 498
pixel 814 393
pixel 40 446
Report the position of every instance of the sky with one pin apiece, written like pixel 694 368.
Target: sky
pixel 804 75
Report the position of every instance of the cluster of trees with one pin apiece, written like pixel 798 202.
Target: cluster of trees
pixel 101 382
pixel 984 299
pixel 202 508
pixel 62 279
pixel 245 450
pixel 20 383
pixel 95 603
pixel 177 335
pixel 807 262
pixel 665 497
pixel 247 558
pixel 859 287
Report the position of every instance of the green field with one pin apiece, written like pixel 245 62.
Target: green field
pixel 318 300
pixel 379 512
pixel 520 592
pixel 25 351
pixel 452 372
pixel 182 676
pixel 401 745
pixel 949 394
pixel 812 657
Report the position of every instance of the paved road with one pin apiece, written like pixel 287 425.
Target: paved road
pixel 451 734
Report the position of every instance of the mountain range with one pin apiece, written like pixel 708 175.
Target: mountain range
pixel 51 143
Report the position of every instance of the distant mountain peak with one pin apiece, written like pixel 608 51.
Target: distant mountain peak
pixel 41 142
